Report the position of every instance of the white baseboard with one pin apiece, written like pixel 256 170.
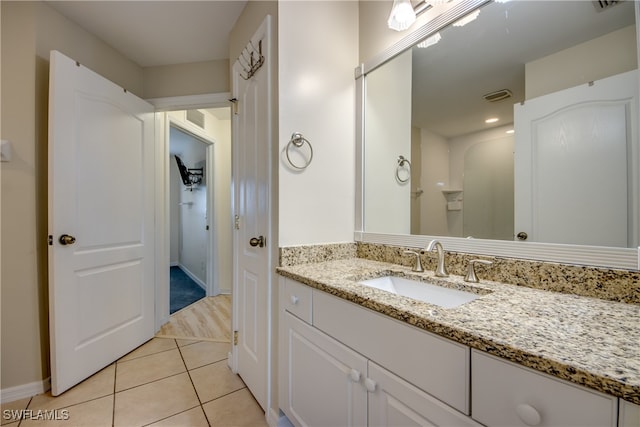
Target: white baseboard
pixel 275 420
pixel 194 277
pixel 26 390
pixel 174 264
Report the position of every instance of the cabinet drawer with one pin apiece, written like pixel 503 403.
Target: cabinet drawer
pixel 506 394
pixel 434 364
pixel 296 299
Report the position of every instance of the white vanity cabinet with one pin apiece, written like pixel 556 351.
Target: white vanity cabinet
pixel 506 394
pixel 343 367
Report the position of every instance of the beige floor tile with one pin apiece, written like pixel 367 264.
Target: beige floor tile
pixel 155 401
pixel 215 380
pixel 155 345
pixel 236 409
pixel 204 353
pixel 192 418
pixel 97 412
pixel 13 408
pixel 98 385
pixel 142 370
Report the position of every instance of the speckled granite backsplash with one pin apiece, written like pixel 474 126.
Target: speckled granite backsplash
pixel 607 284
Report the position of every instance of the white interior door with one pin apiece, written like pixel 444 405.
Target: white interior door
pixel 576 160
pixel 252 130
pixel 101 196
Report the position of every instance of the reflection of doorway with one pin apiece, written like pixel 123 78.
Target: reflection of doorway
pixel 188 211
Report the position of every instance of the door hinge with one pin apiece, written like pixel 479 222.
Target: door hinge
pixel 237 222
pixel 234 103
pixel 235 337
pixel 50 240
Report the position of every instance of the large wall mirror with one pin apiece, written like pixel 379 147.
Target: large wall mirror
pixel 506 128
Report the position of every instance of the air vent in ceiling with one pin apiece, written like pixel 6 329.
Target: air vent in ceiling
pixel 196 117
pixel 498 95
pixel 601 5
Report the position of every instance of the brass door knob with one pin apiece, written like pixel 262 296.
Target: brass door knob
pixel 65 239
pixel 257 241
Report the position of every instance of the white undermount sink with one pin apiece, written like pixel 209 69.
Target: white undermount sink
pixel 421 291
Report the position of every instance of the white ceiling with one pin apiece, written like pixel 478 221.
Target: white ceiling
pixel 155 33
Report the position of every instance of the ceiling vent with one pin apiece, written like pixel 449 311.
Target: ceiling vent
pixel 498 95
pixel 601 5
pixel 196 117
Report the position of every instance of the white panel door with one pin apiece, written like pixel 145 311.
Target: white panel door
pixel 252 130
pixel 395 402
pixel 101 196
pixel 576 159
pixel 323 380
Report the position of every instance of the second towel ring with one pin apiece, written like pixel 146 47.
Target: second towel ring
pixel 401 164
pixel 298 141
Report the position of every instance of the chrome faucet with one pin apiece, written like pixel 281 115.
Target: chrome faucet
pixel 471 272
pixel 417 267
pixel 441 270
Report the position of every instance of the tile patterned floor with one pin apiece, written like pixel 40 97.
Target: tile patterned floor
pixel 165 382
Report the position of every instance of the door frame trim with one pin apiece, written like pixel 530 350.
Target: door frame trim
pixel 162 250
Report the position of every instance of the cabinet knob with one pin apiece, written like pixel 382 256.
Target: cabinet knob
pixel 370 385
pixel 294 299
pixel 528 414
pixel 354 375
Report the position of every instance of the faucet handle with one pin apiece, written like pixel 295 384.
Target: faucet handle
pixel 418 265
pixel 471 272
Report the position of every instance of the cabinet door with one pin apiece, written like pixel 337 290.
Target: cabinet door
pixel 322 379
pixel 395 402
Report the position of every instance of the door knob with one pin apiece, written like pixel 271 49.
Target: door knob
pixel 522 235
pixel 257 241
pixel 65 239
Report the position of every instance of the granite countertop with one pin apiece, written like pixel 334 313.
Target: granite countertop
pixel 588 341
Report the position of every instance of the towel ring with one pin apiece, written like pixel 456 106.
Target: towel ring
pixel 401 164
pixel 298 141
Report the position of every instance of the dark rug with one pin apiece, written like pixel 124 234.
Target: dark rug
pixel 183 290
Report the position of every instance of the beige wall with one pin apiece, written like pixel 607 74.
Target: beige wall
pixel 186 79
pixel 29 31
pixel 582 63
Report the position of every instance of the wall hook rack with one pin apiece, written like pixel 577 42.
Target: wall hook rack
pixel 190 177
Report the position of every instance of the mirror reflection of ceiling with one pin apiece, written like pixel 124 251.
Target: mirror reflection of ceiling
pixel 490 53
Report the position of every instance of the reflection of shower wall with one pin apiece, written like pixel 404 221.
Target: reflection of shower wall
pixel 490 198
pixel 481 164
pixel 435 177
pixel 416 178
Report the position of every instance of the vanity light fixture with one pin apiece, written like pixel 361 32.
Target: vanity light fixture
pixel 402 15
pixel 430 41
pixel 466 19
pixel 491 120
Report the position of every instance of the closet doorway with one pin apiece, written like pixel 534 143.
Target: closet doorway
pixel 197 197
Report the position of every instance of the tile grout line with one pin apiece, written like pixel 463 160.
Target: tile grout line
pixel 193 385
pixel 115 377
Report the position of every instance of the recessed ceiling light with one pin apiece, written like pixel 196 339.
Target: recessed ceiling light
pixel 491 120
